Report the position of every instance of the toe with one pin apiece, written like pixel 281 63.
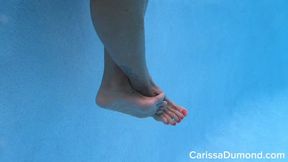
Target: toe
pixel 164 119
pixel 157 117
pixel 176 107
pixel 170 120
pixel 160 108
pixel 172 115
pixel 161 118
pixel 176 112
pixel 184 111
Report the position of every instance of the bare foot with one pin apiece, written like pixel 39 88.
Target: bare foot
pixel 124 99
pixel 170 113
pixel 117 93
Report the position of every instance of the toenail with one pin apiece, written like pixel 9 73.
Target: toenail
pixel 184 112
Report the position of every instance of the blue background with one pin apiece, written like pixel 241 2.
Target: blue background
pixel 226 61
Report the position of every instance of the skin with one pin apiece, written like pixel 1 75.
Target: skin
pixel 116 93
pixel 127 86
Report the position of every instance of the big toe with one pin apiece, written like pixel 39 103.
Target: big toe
pixel 183 110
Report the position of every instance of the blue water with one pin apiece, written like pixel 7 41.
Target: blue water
pixel 226 61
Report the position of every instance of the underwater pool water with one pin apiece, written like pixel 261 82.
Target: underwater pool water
pixel 225 61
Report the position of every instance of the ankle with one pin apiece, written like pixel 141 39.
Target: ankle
pixel 116 84
pixel 148 88
pixel 154 88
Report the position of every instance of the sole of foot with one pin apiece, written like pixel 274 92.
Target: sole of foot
pixel 128 101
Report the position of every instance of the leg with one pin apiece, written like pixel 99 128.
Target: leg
pixel 120 26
